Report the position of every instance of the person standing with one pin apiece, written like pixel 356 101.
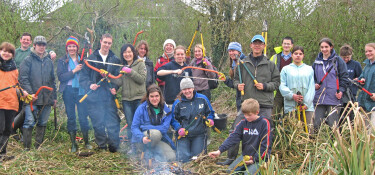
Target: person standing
pixel 354 68
pixel 133 83
pixel 101 102
pixel 329 92
pixel 168 73
pixel 37 70
pixel 68 72
pixel 266 74
pixel 282 58
pixel 142 50
pixel 298 77
pixel 235 53
pixel 368 81
pixel 201 85
pixel 8 98
pixel 24 50
pixel 169 48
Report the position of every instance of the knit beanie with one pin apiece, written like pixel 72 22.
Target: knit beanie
pixel 72 40
pixel 235 46
pixel 186 83
pixel 169 41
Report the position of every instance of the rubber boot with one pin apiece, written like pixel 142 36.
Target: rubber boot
pixel 86 139
pixel 27 135
pixel 73 140
pixel 3 145
pixel 39 136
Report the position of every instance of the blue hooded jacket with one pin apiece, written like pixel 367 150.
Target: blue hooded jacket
pixel 141 122
pixel 363 98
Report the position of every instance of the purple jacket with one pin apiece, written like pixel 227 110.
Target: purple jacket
pixel 320 66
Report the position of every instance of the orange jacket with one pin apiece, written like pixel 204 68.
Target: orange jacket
pixel 8 98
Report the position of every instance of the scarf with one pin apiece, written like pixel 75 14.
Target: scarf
pixel 75 81
pixel 7 66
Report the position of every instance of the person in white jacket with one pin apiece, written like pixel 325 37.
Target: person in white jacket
pixel 298 77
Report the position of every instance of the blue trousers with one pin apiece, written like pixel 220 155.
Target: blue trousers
pixel 187 147
pixel 71 100
pixel 106 124
pixel 36 117
pixel 129 108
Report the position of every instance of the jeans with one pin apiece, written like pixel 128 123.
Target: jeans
pixel 188 147
pixel 71 100
pixel 106 123
pixel 326 113
pixel 36 117
pixel 129 110
pixel 252 169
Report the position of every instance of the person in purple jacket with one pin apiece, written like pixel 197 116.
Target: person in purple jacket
pixel 331 81
pixel 255 133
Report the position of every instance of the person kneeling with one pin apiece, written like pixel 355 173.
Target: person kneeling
pixel 254 132
pixel 150 125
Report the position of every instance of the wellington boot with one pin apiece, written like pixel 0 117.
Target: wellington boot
pixel 86 139
pixel 27 135
pixel 39 136
pixel 3 144
pixel 73 140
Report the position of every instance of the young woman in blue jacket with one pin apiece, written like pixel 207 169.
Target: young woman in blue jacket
pixel 193 115
pixel 150 125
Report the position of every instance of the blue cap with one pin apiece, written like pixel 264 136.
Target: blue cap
pixel 258 37
pixel 235 46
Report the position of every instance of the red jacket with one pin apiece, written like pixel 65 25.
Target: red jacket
pixel 161 62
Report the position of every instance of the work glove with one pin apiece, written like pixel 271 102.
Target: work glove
pixel 206 62
pixel 210 122
pixel 126 70
pixel 182 132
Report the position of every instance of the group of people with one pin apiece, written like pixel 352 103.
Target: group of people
pixel 180 101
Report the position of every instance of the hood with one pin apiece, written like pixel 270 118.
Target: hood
pixel 34 52
pixel 278 49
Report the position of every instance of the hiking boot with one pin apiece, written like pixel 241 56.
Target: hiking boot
pixel 73 140
pixel 86 139
pixel 226 162
pixel 27 134
pixel 39 136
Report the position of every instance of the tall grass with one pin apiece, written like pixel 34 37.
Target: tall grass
pixel 350 151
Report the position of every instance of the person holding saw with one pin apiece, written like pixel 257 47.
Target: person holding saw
pixel 297 87
pixel 133 83
pixel 201 85
pixel 36 72
pixel 331 81
pixel 100 101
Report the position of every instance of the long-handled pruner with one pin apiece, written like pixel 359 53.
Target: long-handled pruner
pixel 360 87
pixel 188 52
pixel 187 128
pixel 248 71
pixel 239 74
pixel 301 107
pixel 264 34
pixel 102 71
pixel 90 91
pixel 213 126
pixel 221 75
